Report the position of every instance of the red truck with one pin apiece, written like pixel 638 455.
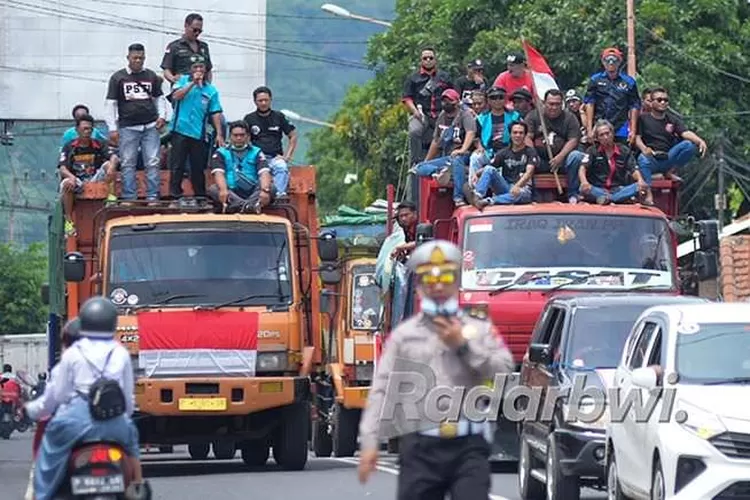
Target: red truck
pixel 515 257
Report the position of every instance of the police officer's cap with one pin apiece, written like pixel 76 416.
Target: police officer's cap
pixel 436 256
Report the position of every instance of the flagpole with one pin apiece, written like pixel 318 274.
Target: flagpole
pixel 631 36
pixel 540 110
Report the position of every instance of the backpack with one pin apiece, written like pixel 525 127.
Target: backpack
pixel 105 397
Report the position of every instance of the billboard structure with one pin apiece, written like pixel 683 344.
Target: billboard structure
pixel 58 53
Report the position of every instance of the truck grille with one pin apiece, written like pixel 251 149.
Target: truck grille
pixel 738 491
pixel 733 444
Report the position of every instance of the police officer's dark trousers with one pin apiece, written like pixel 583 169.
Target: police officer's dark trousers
pixel 184 147
pixel 431 467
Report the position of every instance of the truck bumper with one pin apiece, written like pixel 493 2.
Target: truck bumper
pixel 218 396
pixel 355 397
pixel 582 452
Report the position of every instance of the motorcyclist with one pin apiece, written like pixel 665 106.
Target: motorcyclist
pixel 10 389
pixel 7 374
pixel 94 356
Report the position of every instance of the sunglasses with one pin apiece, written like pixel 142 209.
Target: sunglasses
pixel 612 60
pixel 661 99
pixel 496 97
pixel 197 31
pixel 444 278
pixel 428 58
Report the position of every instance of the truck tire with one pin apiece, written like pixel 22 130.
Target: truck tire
pixel 345 430
pixel 290 443
pixel 322 444
pixel 224 449
pixel 198 451
pixel 255 453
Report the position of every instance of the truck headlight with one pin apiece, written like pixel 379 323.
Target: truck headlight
pixel 588 414
pixel 271 362
pixel 699 422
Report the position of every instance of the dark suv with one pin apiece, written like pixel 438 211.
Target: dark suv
pixel 577 338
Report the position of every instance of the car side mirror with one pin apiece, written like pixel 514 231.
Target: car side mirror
pixel 706 265
pixel 708 234
pixel 328 248
pixel 425 232
pixel 74 267
pixel 644 378
pixel 330 273
pixel 540 353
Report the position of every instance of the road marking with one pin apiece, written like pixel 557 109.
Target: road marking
pixel 30 486
pixel 393 470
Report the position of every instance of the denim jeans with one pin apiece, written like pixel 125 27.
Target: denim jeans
pixel 280 172
pixel 616 195
pixel 477 161
pixel 679 155
pixel 149 142
pixel 491 178
pixel 457 164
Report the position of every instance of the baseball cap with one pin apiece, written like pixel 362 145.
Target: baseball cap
pixel 572 95
pixel 476 64
pixel 522 94
pixel 516 58
pixel 451 94
pixel 496 91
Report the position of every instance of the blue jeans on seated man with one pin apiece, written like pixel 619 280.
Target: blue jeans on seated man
pixel 678 156
pixel 617 194
pixel 456 165
pixel 571 167
pixel 280 172
pixel 491 178
pixel 71 425
pixel 477 161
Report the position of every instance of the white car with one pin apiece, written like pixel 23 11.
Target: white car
pixel 699 447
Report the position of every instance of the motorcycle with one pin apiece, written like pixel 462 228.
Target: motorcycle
pixel 7 423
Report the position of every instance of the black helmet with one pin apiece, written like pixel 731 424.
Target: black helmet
pixel 98 318
pixel 71 331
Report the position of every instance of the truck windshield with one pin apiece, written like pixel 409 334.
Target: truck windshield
pixel 178 265
pixel 555 249
pixel 365 300
pixel 713 353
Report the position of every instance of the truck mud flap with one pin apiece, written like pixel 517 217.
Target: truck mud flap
pixel 302 391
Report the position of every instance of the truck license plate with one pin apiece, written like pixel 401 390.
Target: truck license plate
pixel 88 485
pixel 202 404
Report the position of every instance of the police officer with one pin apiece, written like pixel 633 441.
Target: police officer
pixel 459 351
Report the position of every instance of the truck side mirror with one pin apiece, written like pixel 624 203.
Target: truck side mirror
pixel 330 273
pixel 44 293
pixel 74 267
pixel 708 234
pixel 327 301
pixel 424 232
pixel 539 353
pixel 706 265
pixel 328 248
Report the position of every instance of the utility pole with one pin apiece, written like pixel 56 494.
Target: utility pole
pixel 631 36
pixel 14 195
pixel 720 200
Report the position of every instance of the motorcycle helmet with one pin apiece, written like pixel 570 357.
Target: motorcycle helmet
pixel 98 318
pixel 71 331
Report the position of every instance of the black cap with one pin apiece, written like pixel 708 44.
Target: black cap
pixel 476 64
pixel 495 91
pixel 522 94
pixel 516 58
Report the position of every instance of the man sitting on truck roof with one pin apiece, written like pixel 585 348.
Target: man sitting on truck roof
pixel 241 171
pixel 608 170
pixel 453 139
pixel 84 160
pixel 80 110
pixel 511 172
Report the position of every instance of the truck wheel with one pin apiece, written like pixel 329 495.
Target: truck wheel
pixel 528 486
pixel 559 485
pixel 224 450
pixel 322 443
pixel 254 453
pixel 198 451
pixel 290 443
pixel 344 432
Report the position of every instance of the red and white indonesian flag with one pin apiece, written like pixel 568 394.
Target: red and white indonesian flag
pixel 543 77
pixel 175 343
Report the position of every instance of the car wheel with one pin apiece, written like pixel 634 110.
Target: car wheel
pixel 559 486
pixel 658 491
pixel 528 486
pixel 199 451
pixel 614 492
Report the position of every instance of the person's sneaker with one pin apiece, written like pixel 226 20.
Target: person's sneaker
pixel 459 203
pixel 111 198
pixel 482 203
pixel 443 177
pixel 70 229
pixel 573 200
pixel 602 200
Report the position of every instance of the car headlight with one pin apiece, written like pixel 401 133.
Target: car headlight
pixel 587 414
pixel 703 424
pixel 271 362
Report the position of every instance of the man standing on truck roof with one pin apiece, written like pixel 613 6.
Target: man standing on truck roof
pixel 80 110
pixel 196 101
pixel 82 161
pixel 613 96
pixel 181 54
pixel 267 127
pixel 136 112
pixel 243 178
pixel 445 344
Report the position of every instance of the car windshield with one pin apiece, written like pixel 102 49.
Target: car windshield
pixel 555 249
pixel 598 335
pixel 365 300
pixel 713 352
pixel 173 264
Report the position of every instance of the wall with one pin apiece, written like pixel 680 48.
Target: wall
pixel 735 268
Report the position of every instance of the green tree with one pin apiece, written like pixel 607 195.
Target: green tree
pixel 22 272
pixel 698 49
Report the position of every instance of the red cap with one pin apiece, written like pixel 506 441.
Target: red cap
pixel 611 51
pixel 451 94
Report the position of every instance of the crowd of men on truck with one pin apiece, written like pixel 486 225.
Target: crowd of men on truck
pixel 609 144
pixel 250 170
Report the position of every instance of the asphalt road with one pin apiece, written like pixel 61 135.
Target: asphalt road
pixel 176 477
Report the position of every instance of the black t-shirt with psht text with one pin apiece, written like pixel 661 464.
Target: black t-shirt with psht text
pixel 266 131
pixel 513 163
pixel 661 134
pixel 135 93
pixel 560 130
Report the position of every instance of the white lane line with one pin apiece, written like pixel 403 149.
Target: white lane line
pixel 393 470
pixel 30 486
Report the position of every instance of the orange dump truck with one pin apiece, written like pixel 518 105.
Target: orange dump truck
pixel 220 312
